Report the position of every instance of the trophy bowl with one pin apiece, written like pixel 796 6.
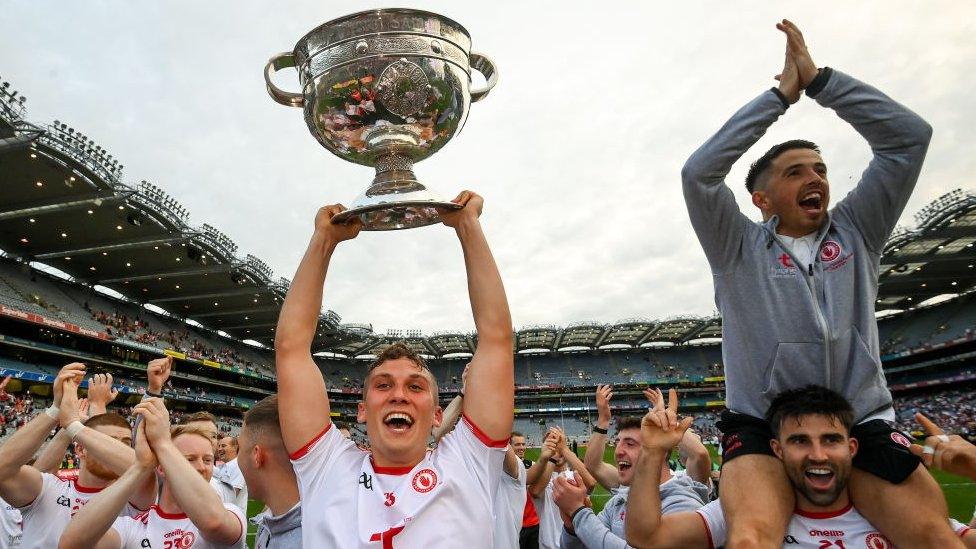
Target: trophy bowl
pixel 386 88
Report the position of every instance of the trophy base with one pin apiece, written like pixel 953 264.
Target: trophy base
pixel 396 200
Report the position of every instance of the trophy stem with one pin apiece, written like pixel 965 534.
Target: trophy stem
pixel 395 199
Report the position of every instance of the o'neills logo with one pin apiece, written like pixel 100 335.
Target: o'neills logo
pixel 183 539
pixel 877 541
pixel 424 480
pixel 899 438
pixel 829 251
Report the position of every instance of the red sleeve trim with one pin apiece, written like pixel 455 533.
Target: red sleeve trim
pixel 485 439
pixel 300 453
pixel 708 531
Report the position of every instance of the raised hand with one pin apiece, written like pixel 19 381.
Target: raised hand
pixel 660 428
pixel 157 372
pixel 83 410
pixel 789 77
pixel 471 203
pixel 156 418
pixel 569 495
pixel 550 445
pixel 69 410
pixel 796 47
pixel 950 453
pixel 603 395
pixel 336 232
pixel 74 371
pixel 100 392
pixel 145 456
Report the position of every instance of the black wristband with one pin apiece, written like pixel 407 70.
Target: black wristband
pixel 573 515
pixel 554 461
pixel 598 429
pixel 819 82
pixel 154 395
pixel 782 98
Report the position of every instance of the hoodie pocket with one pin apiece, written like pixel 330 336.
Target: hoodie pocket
pixel 794 365
pixel 864 382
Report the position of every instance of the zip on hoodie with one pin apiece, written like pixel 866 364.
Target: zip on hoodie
pixel 808 278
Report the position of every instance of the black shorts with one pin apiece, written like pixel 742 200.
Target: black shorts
pixel 882 450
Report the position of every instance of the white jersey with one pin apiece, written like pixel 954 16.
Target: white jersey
pixel 46 517
pixel 550 521
pixel 11 526
pixel 841 529
pixel 230 479
pixel 157 529
pixel 445 500
pixel 509 508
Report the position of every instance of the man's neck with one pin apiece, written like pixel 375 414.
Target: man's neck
pixel 89 480
pixel 282 493
pixel 168 504
pixel 806 506
pixel 397 462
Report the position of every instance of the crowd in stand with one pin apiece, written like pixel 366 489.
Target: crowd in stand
pixel 15 411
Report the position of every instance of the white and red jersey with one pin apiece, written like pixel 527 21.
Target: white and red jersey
pixel 11 526
pixel 445 500
pixel 46 517
pixel 509 508
pixel 160 530
pixel 550 521
pixel 843 529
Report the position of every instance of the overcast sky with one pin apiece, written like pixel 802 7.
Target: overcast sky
pixel 577 150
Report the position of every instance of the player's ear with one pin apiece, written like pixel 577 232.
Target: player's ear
pixel 777 449
pixel 438 416
pixel 852 442
pixel 361 412
pixel 759 200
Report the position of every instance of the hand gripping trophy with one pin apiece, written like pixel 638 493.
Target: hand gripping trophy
pixel 386 88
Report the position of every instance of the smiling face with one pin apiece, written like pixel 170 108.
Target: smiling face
pixel 626 453
pixel 817 452
pixel 198 451
pixel 795 188
pixel 518 445
pixel 399 408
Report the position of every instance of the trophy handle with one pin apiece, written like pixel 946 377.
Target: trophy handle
pixel 484 65
pixel 278 62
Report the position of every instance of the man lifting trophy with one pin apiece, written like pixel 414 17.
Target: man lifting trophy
pixel 386 88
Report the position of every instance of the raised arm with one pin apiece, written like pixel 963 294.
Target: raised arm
pixel 603 472
pixel 100 394
pixel 114 454
pixel 194 495
pixel 303 400
pixel 698 462
pixel 452 413
pixel 51 456
pixel 574 463
pixel 20 484
pixel 490 399
pixel 660 432
pixel 92 525
pixel 537 477
pixel 898 137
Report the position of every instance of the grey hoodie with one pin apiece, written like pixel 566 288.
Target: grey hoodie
pixel 606 530
pixel 787 325
pixel 281 532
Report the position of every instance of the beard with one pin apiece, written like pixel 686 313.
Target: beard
pixel 841 474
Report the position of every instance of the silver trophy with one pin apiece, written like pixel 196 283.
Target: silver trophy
pixel 386 88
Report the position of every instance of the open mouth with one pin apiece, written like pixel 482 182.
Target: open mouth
pixel 812 202
pixel 820 478
pixel 398 422
pixel 623 465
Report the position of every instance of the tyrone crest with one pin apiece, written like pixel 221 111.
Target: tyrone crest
pixel 424 480
pixel 403 88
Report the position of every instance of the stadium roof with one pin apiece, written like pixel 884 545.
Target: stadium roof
pixel 64 203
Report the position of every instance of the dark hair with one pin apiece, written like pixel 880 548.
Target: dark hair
pixel 199 416
pixel 110 418
pixel 760 166
pixel 515 434
pixel 628 422
pixel 806 401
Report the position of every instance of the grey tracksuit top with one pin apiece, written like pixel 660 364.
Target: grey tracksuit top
pixel 606 530
pixel 787 325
